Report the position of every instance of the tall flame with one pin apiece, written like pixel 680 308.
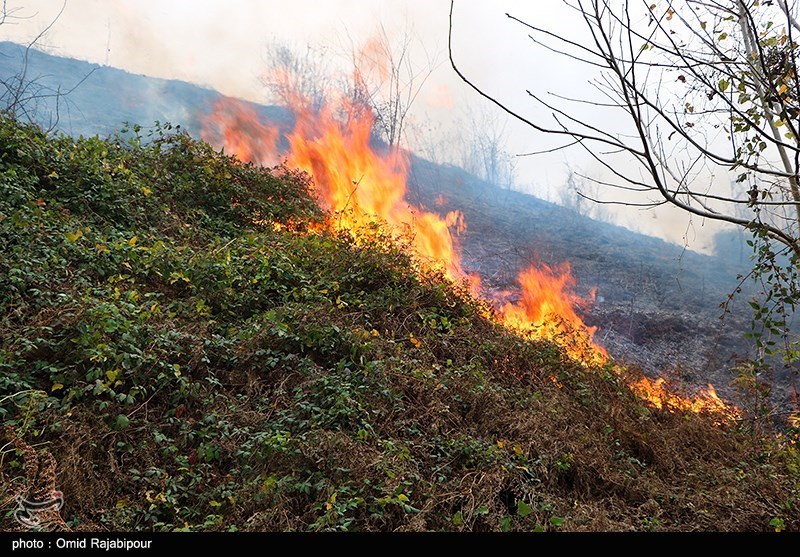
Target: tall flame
pixel 361 184
pixel 546 310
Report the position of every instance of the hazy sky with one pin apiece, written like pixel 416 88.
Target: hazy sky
pixel 222 45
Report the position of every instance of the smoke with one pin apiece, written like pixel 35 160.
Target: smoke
pixel 223 45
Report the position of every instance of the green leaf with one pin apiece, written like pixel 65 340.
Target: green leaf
pixel 556 521
pixel 778 524
pixel 523 509
pixel 122 422
pixel 505 523
pixel 723 36
pixel 724 84
pixel 458 520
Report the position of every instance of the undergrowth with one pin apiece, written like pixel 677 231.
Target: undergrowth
pixel 193 357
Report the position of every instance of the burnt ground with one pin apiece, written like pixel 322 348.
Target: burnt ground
pixel 657 306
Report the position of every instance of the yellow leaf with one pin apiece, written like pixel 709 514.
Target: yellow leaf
pixel 57 387
pixel 517 449
pixel 413 340
pixel 101 248
pixel 132 241
pixel 782 89
pixel 146 191
pixel 500 444
pixel 73 237
pixel 375 333
pixel 112 375
pixel 402 497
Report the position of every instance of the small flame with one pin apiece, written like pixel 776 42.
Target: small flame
pixel 706 401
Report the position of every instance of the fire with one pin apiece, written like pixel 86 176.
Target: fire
pixel 546 310
pixel 656 393
pixel 361 184
pixel 358 184
pixel 236 126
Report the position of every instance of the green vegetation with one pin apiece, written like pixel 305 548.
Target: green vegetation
pixel 171 359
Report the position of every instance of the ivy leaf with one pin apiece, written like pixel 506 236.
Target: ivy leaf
pixel 523 509
pixel 122 421
pixel 73 237
pixel 724 84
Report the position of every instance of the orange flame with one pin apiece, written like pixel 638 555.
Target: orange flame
pixel 235 125
pixel 361 185
pixel 657 394
pixel 546 310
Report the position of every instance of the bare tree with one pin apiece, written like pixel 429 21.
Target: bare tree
pixel 387 79
pixel 572 194
pixel 297 79
pixel 706 89
pixel 26 97
pixel 685 97
pixel 483 148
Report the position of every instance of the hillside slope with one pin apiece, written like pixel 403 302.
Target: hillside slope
pixel 659 305
pixel 184 346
